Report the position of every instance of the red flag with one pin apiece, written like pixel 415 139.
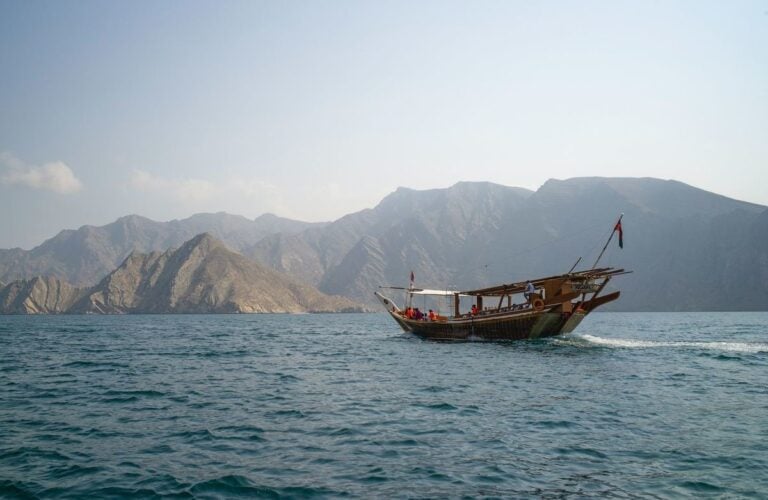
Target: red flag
pixel 621 234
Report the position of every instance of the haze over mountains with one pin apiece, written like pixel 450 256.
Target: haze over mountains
pixel 689 249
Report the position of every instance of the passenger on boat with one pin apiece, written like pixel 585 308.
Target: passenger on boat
pixel 530 290
pixel 432 316
pixel 409 313
pixel 418 315
pixel 474 310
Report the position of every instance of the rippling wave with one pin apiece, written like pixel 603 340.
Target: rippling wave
pixel 718 346
pixel 330 406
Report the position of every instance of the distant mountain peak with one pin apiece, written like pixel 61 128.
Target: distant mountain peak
pixel 205 238
pixel 662 196
pixel 133 218
pixel 215 216
pixel 203 244
pixel 404 200
pixel 267 216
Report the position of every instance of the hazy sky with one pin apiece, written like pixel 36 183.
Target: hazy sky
pixel 319 108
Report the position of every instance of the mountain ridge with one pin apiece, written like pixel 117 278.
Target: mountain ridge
pixel 690 249
pixel 201 276
pixel 83 256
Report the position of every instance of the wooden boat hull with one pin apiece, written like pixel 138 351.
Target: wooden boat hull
pixel 531 326
pixel 526 325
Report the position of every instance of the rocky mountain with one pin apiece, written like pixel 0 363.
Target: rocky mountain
pixel 202 276
pixel 689 249
pixel 86 255
pixel 39 295
pixel 426 231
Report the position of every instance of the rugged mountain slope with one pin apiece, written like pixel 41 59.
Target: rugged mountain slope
pixel 86 255
pixel 690 249
pixel 202 276
pixel 423 230
pixel 38 296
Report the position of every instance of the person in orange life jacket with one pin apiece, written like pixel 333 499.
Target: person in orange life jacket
pixel 432 316
pixel 474 309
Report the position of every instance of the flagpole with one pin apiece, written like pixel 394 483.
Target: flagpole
pixel 609 240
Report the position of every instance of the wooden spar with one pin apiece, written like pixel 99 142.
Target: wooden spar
pixel 501 301
pixel 574 265
pixel 600 288
pixel 513 288
pixel 609 240
pixel 598 301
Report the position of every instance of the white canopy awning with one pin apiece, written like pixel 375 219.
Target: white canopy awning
pixel 426 291
pixel 442 293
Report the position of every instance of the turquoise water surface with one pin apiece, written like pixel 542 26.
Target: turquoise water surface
pixel 631 405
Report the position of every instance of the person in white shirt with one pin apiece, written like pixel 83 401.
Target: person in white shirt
pixel 530 290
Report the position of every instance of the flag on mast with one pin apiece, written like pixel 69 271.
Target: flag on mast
pixel 617 227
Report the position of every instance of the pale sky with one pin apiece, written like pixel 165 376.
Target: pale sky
pixel 315 109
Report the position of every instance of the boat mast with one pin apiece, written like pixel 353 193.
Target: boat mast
pixel 607 242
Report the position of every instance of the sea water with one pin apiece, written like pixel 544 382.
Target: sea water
pixel 631 405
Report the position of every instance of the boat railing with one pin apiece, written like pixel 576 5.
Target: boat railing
pixel 487 312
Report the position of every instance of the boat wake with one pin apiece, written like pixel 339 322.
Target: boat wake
pixel 753 347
